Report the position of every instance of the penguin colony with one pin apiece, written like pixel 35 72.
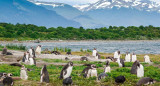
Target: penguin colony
pixel 89 71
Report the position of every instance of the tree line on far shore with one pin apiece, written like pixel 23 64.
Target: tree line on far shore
pixel 30 31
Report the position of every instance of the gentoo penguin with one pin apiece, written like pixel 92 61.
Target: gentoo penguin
pixel 67 81
pixel 147 59
pixel 120 79
pixel 31 52
pixel 93 71
pixel 23 73
pixel 120 62
pixel 66 71
pixel 97 56
pixel 84 59
pixel 145 81
pixel 137 69
pixel 2 76
pixel 127 57
pixel 134 57
pixel 8 80
pixel 107 69
pixel 140 70
pixel 32 61
pixel 134 67
pixel 117 54
pixel 38 49
pixel 90 71
pixel 66 58
pixel 16 64
pixel 4 51
pixel 102 76
pixel 94 52
pixel 26 57
pixel 68 53
pixel 44 75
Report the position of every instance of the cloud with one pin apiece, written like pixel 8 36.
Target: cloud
pixel 71 2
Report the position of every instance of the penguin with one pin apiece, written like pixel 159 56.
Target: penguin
pixel 66 71
pixel 66 58
pixel 134 67
pixel 31 52
pixel 107 69
pixel 4 51
pixel 67 81
pixel 23 73
pixel 16 64
pixel 137 69
pixel 44 75
pixel 102 76
pixel 147 59
pixel 127 57
pixel 93 71
pixel 32 61
pixel 134 57
pixel 94 52
pixel 97 56
pixel 84 59
pixel 2 76
pixel 120 79
pixel 145 81
pixel 8 80
pixel 38 49
pixel 140 70
pixel 89 71
pixel 26 57
pixel 68 53
pixel 117 54
pixel 121 62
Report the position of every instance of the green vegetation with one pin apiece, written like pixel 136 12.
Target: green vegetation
pixel 16 47
pixel 13 47
pixel 54 71
pixel 30 32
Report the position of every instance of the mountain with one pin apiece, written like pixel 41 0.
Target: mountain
pixel 123 12
pixel 69 12
pixel 23 11
pixel 142 5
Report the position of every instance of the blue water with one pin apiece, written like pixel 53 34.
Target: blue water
pixel 139 47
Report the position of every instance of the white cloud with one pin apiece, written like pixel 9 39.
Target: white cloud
pixel 71 2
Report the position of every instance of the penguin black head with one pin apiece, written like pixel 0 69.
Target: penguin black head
pixel 107 63
pixel 93 66
pixel 94 48
pixel 39 45
pixel 137 62
pixel 127 53
pixel 70 63
pixel 4 75
pixel 23 67
pixel 133 53
pixel 118 52
pixel 10 75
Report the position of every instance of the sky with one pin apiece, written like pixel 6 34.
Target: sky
pixel 75 2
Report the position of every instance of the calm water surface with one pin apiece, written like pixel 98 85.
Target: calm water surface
pixel 139 47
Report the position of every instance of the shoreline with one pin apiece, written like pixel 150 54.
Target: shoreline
pixel 45 41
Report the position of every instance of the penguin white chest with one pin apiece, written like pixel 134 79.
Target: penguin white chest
pixel 140 71
pixel 107 69
pixel 134 58
pixel 93 72
pixel 127 58
pixel 69 71
pixel 119 63
pixel 94 53
pixel 31 61
pixel 23 75
pixel 38 50
pixel 147 59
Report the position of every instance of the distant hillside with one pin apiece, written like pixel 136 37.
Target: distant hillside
pixel 23 11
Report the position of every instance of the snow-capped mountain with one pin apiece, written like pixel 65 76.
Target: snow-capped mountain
pixel 53 4
pixel 145 5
